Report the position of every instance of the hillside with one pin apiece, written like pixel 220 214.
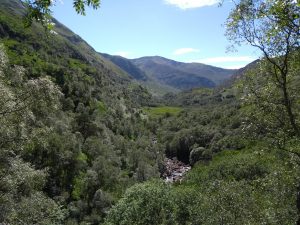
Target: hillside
pixel 71 124
pixel 83 142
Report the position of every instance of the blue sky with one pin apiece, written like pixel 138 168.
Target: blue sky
pixel 183 30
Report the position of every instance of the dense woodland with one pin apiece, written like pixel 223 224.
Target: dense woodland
pixel 82 143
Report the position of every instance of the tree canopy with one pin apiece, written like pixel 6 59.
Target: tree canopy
pixel 83 144
pixel 274 28
pixel 40 10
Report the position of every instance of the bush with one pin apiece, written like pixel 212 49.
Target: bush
pixel 144 204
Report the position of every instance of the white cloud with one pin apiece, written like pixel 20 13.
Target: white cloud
pixel 225 59
pixel 182 51
pixel 122 53
pixel 188 4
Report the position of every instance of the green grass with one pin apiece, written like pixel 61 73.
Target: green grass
pixel 162 111
pixel 202 91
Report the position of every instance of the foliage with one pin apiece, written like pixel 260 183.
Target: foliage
pixel 40 10
pixel 273 28
pixel 22 200
pixel 263 108
pixel 163 111
pixel 236 188
pixel 144 204
pixel 79 143
pixel 69 114
pixel 269 94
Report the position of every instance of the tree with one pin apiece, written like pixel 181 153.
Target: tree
pixel 40 10
pixel 21 198
pixel 274 28
pixel 263 110
pixel 144 204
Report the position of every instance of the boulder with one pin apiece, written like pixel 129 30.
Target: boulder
pixel 199 154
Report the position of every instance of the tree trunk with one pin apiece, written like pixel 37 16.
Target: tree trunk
pixel 288 106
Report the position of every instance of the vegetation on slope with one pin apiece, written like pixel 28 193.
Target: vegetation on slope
pixel 256 180
pixel 79 145
pixel 73 120
pixel 162 111
pixel 253 186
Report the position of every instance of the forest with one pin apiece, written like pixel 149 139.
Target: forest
pixel 83 143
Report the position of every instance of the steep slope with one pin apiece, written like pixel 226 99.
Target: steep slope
pixel 62 50
pixel 239 74
pixel 71 126
pixel 127 66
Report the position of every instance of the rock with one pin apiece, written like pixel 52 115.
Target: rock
pixel 174 170
pixel 196 155
pixel 200 154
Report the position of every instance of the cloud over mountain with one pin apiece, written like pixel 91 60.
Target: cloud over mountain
pixel 188 4
pixel 122 53
pixel 223 59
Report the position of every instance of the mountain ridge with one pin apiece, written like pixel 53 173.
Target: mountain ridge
pixel 174 76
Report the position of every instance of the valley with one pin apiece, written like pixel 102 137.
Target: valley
pixel 88 138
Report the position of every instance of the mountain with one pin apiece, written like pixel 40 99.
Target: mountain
pixel 182 75
pixel 153 85
pixel 167 72
pixel 81 143
pixel 164 75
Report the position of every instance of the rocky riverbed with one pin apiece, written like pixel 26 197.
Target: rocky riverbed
pixel 174 170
